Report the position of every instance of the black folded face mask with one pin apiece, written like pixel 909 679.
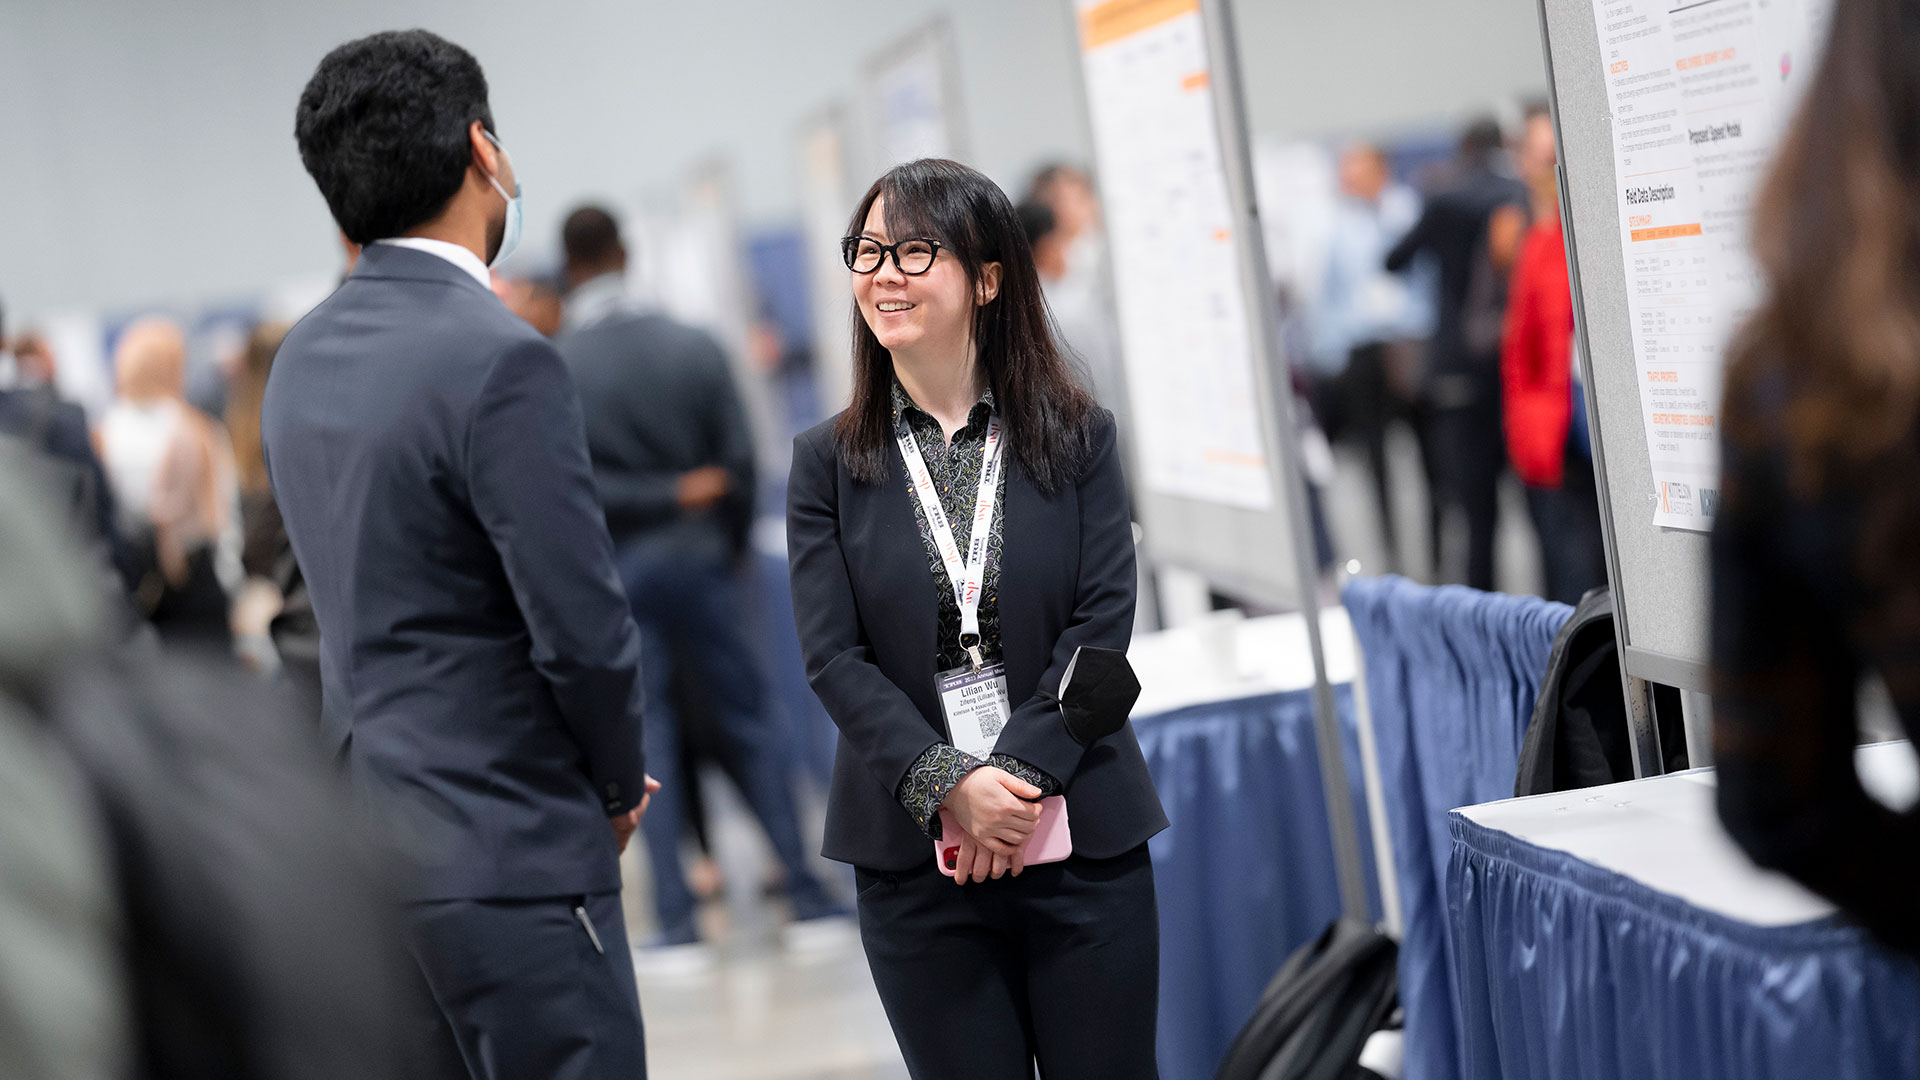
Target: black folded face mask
pixel 1097 693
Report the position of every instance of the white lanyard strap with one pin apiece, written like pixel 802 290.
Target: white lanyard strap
pixel 966 575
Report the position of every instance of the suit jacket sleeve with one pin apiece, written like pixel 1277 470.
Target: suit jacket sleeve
pixel 880 723
pixel 639 499
pixel 532 489
pixel 1411 244
pixel 1102 611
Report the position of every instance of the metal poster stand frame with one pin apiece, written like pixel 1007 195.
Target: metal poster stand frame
pixel 1279 432
pixel 1270 363
pixel 831 299
pixel 1640 667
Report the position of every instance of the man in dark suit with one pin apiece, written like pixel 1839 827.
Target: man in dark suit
pixel 1472 228
pixel 673 461
pixel 480 670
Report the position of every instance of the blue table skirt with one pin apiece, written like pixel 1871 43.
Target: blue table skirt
pixel 1246 873
pixel 1452 675
pixel 1567 971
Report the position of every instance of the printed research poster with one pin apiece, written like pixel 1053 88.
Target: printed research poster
pixel 1699 92
pixel 1187 344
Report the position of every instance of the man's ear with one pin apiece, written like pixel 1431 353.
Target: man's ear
pixel 989 284
pixel 486 156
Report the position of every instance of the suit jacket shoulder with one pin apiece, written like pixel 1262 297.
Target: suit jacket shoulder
pixel 820 438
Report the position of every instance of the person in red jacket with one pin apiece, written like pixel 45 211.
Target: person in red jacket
pixel 1545 414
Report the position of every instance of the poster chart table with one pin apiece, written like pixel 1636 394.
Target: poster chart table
pixel 1618 931
pixel 1246 872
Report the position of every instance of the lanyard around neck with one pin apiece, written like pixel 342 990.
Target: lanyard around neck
pixel 967 574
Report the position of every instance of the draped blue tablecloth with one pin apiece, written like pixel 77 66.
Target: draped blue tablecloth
pixel 1452 674
pixel 1567 971
pixel 1245 875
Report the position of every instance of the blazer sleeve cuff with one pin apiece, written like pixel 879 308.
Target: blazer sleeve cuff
pixel 1030 773
pixel 929 779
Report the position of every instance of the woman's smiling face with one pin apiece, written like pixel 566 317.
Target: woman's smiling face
pixel 913 311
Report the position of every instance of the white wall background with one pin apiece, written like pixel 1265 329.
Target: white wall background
pixel 146 149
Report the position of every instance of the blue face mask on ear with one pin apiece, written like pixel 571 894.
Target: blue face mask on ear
pixel 510 237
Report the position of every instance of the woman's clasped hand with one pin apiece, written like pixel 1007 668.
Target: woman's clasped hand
pixel 997 813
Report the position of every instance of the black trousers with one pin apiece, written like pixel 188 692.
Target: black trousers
pixel 1059 966
pixel 1572 548
pixel 1358 404
pixel 522 989
pixel 1471 451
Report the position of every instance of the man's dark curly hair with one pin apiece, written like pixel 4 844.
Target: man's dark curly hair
pixel 382 128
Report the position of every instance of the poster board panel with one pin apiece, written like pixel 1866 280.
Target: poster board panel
pixel 1667 115
pixel 1201 388
pixel 911 99
pixel 827 198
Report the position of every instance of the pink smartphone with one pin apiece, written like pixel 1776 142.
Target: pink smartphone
pixel 1052 840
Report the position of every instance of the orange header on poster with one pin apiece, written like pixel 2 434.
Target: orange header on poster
pixel 1104 24
pixel 1665 232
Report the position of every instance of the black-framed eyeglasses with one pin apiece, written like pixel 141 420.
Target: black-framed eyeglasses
pixel 912 257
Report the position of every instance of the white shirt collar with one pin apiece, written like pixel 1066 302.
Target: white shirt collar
pixel 598 298
pixel 453 253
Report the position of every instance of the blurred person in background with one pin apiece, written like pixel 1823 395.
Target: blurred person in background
pixel 1002 964
pixel 1544 406
pixel 535 298
pixel 673 464
pixel 1816 584
pixel 1061 218
pixel 172 473
pixel 479 666
pixel 260 516
pixel 1067 190
pixel 264 536
pixel 55 434
pixel 1369 322
pixel 1472 227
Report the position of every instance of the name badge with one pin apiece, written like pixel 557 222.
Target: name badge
pixel 976 708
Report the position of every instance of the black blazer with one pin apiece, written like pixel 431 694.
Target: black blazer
pixel 477 657
pixel 659 401
pixel 868 616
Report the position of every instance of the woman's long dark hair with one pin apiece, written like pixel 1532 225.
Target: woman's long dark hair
pixel 1048 412
pixel 1837 234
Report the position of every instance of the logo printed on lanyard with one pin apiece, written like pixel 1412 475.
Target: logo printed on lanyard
pixel 965 574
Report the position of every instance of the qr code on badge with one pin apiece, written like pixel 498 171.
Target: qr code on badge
pixel 991 726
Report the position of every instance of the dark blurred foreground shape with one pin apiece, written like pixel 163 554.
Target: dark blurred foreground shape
pixel 1815 580
pixel 184 889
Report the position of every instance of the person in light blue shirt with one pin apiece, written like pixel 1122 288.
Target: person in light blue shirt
pixel 1369 320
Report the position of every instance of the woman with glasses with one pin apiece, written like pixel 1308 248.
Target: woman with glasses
pixel 957 535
